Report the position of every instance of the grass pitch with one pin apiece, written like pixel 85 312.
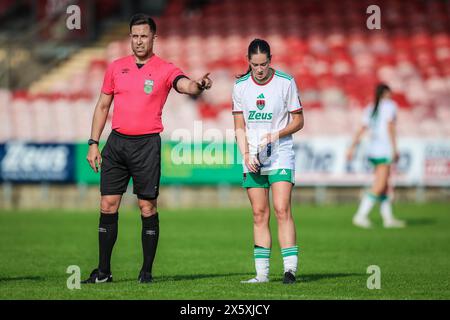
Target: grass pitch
pixel 204 254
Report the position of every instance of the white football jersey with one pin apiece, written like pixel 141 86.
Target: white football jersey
pixel 379 145
pixel 266 109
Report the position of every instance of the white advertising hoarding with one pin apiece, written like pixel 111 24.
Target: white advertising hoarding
pixel 322 161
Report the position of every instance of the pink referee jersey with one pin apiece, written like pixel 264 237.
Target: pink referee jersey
pixel 139 94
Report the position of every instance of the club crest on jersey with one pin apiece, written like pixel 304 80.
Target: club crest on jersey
pixel 260 102
pixel 148 86
pixel 255 115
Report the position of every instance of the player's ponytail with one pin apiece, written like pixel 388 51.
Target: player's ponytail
pixel 246 72
pixel 256 46
pixel 379 92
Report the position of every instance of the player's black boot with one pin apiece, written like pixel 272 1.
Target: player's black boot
pixel 98 277
pixel 289 277
pixel 145 277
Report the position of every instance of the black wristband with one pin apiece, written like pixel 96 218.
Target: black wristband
pixel 92 141
pixel 175 81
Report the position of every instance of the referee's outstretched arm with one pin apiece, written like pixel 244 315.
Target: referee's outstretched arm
pixel 194 88
pixel 98 123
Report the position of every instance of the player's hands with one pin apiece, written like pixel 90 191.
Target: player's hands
pixel 251 162
pixel 204 82
pixel 267 138
pixel 94 157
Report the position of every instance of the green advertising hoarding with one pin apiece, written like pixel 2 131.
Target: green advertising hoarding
pixel 181 163
pixel 84 173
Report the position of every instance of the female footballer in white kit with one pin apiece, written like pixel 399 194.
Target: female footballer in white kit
pixel 379 119
pixel 267 111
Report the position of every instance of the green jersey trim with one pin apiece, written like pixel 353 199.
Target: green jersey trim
pixel 243 78
pixel 283 75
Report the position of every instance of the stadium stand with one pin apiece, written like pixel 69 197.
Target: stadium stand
pixel 335 60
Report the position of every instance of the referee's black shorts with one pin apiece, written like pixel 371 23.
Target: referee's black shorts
pixel 125 156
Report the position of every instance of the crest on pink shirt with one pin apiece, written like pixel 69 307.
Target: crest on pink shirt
pixel 148 86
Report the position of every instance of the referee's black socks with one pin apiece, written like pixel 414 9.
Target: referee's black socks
pixel 149 236
pixel 107 235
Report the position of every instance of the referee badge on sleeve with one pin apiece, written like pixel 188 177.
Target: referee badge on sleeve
pixel 148 86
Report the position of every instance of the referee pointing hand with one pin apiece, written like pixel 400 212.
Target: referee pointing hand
pixel 139 85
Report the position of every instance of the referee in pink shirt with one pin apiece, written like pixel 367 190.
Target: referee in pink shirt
pixel 139 85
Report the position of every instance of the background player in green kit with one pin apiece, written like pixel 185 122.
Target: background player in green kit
pixel 267 111
pixel 379 119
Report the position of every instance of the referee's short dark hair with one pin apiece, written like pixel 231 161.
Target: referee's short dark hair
pixel 142 18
